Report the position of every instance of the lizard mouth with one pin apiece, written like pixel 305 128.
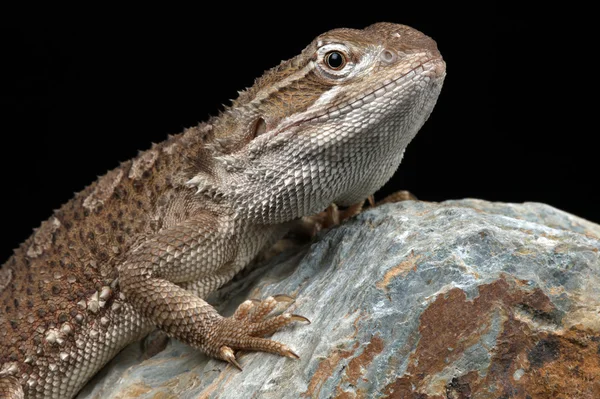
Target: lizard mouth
pixel 434 68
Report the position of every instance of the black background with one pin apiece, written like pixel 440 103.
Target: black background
pixel 77 99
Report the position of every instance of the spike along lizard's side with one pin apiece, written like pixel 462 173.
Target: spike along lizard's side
pixel 139 248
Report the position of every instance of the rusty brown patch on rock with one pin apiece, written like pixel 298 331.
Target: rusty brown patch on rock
pixel 543 364
pixel 220 381
pixel 42 238
pixel 361 362
pixel 134 391
pixel 544 351
pixel 345 395
pixel 526 360
pixel 358 365
pixel 593 236
pixel 400 269
pixel 453 321
pixel 563 366
pixel 402 388
pixel 325 371
pixel 460 387
pixel 164 395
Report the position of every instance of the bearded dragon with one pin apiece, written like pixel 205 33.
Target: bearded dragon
pixel 142 246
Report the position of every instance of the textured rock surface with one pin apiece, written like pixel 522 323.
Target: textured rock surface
pixel 463 299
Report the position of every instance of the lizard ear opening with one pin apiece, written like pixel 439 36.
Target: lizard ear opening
pixel 259 127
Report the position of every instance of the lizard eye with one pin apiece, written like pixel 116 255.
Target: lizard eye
pixel 335 60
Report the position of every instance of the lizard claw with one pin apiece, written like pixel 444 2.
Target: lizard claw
pixel 297 317
pixel 245 329
pixel 287 352
pixel 283 298
pixel 227 354
pixel 371 199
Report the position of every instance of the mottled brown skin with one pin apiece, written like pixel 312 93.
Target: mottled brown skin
pixel 59 268
pixel 141 247
pixel 92 241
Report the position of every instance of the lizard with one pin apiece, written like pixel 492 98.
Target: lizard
pixel 140 248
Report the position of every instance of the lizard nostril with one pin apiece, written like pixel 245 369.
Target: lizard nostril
pixel 388 56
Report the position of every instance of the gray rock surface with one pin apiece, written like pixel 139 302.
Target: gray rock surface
pixel 410 300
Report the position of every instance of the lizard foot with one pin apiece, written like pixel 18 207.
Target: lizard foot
pixel 250 322
pixel 306 228
pixel 398 196
pixel 309 226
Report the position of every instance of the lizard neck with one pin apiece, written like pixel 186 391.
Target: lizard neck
pixel 342 160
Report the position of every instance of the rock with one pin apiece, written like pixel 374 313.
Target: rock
pixel 461 299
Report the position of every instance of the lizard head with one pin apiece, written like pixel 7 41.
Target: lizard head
pixel 329 125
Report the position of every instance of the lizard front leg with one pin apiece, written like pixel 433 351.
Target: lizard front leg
pixel 197 250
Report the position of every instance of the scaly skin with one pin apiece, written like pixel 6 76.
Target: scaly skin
pixel 141 247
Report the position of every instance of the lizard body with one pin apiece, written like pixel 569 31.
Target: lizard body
pixel 140 247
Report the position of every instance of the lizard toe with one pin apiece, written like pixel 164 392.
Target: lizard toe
pixel 273 324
